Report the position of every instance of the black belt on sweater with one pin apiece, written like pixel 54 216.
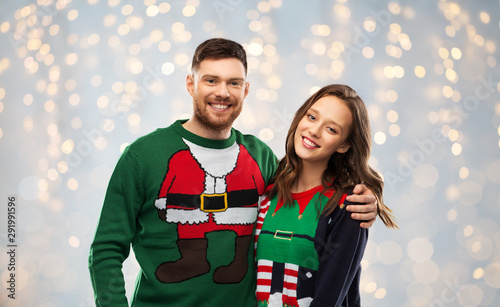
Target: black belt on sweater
pixel 214 202
pixel 287 235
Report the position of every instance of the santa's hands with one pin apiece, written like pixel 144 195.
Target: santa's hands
pixel 366 211
pixel 162 214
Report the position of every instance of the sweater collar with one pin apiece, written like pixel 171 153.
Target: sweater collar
pixel 201 141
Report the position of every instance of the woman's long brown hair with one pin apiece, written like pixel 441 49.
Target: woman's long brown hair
pixel 344 170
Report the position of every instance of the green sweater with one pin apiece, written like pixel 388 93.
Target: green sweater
pixel 306 260
pixel 153 204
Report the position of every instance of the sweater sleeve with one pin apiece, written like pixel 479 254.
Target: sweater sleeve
pixel 263 203
pixel 273 165
pixel 340 243
pixel 115 231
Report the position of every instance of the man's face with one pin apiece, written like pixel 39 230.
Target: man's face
pixel 218 89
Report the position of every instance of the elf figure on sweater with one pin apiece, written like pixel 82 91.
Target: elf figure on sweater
pixel 203 191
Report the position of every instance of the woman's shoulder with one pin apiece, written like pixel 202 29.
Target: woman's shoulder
pixel 341 205
pixel 343 202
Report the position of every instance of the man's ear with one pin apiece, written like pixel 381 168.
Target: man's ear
pixel 190 85
pixel 247 87
pixel 343 148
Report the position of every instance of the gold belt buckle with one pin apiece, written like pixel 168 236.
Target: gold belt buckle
pixel 202 205
pixel 280 234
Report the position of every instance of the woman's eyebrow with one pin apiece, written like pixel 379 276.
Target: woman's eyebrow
pixel 329 120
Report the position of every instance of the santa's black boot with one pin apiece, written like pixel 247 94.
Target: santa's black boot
pixel 193 262
pixel 237 269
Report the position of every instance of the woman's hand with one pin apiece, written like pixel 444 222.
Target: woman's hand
pixel 366 211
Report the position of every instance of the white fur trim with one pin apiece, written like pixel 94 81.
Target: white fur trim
pixel 276 300
pixel 181 216
pixel 216 162
pixel 304 302
pixel 236 216
pixel 161 203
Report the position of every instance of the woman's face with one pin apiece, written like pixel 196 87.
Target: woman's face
pixel 323 131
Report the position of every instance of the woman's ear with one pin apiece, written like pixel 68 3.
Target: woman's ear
pixel 343 148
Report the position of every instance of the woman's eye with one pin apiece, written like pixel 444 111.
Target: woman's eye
pixel 332 130
pixel 311 117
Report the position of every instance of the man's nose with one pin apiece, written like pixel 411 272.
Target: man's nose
pixel 222 90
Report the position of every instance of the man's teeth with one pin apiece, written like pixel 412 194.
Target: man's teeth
pixel 308 142
pixel 220 106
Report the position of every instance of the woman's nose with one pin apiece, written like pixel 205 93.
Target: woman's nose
pixel 314 130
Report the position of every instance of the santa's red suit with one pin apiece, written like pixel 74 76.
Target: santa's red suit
pixel 204 191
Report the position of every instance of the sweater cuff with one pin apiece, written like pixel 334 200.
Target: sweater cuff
pixel 161 203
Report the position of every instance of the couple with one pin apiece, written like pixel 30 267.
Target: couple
pixel 187 198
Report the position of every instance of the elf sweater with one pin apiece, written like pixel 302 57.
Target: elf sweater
pixel 303 260
pixel 184 203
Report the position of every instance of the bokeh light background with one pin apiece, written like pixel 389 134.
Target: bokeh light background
pixel 79 80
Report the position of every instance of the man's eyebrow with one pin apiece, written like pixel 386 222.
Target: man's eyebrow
pixel 210 76
pixel 218 77
pixel 237 79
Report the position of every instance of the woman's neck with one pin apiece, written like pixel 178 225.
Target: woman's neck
pixel 309 177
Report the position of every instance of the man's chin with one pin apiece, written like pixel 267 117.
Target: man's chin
pixel 217 124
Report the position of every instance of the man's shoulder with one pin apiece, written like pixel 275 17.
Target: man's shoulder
pixel 161 137
pixel 250 140
pixel 157 135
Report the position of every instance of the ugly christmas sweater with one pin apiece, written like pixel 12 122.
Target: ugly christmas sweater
pixel 187 205
pixel 303 260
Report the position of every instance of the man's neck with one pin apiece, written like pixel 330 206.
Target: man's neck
pixel 199 129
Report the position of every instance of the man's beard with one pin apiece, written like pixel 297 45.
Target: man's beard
pixel 213 122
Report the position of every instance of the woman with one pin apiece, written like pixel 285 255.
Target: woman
pixel 308 248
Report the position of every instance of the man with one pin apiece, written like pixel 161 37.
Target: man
pixel 186 197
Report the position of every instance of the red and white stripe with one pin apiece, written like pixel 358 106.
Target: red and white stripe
pixel 263 208
pixel 290 284
pixel 264 279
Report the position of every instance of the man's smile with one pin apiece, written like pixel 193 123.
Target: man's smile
pixel 219 106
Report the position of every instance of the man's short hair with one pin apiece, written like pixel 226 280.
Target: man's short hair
pixel 218 48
